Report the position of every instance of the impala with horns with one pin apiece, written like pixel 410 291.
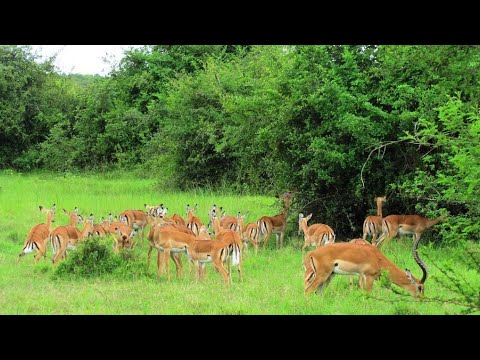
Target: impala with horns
pixel 315 234
pixel 415 225
pixel 37 238
pixel 276 224
pixel 367 261
pixel 372 226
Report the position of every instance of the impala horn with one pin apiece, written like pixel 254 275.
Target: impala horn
pixel 419 261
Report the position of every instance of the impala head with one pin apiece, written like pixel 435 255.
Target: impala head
pixel 49 212
pixel 301 219
pixel 381 199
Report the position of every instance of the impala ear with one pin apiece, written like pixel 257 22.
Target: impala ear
pixel 76 210
pixel 300 216
pixel 409 276
pixel 54 207
pixel 309 217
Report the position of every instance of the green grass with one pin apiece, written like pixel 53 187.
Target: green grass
pixel 273 280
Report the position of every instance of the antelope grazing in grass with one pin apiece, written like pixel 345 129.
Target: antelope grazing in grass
pixel 37 238
pixel 315 234
pixel 66 237
pixel 373 224
pixel 136 219
pixel 405 224
pixel 367 261
pixel 276 224
pixel 358 241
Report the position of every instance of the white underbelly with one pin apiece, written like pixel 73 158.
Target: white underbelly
pixel 403 231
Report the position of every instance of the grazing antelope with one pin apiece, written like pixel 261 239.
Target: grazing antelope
pixel 276 224
pixel 405 224
pixel 66 237
pixel 358 241
pixel 193 222
pixel 37 238
pixel 367 261
pixel 315 234
pixel 135 219
pixel 373 224
pixel 101 230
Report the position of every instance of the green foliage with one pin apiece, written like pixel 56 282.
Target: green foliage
pixel 93 257
pixel 264 119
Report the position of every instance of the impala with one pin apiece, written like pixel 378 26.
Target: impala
pixel 249 233
pixel 37 238
pixel 135 219
pixel 276 224
pixel 101 229
pixel 315 234
pixel 373 224
pixel 217 252
pixel 155 226
pixel 406 224
pixel 367 261
pixel 168 241
pixel 193 222
pixel 66 237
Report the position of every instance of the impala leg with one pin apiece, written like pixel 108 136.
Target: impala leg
pixel 176 257
pixel 369 282
pixel 149 254
pixel 218 264
pixel 166 253
pixel 282 236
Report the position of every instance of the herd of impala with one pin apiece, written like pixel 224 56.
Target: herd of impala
pixel 173 235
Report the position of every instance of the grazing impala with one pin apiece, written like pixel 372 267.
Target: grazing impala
pixel 136 219
pixel 406 224
pixel 373 224
pixel 37 238
pixel 322 264
pixel 315 234
pixel 276 224
pixel 66 237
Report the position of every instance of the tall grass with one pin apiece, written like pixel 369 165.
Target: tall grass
pixel 273 280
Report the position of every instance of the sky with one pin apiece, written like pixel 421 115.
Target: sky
pixel 83 59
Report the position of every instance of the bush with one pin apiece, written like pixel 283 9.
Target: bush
pixel 93 257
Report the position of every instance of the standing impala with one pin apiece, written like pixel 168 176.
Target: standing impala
pixel 276 224
pixel 193 222
pixel 37 238
pixel 373 224
pixel 406 224
pixel 322 264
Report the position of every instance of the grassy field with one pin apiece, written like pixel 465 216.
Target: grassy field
pixel 273 280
